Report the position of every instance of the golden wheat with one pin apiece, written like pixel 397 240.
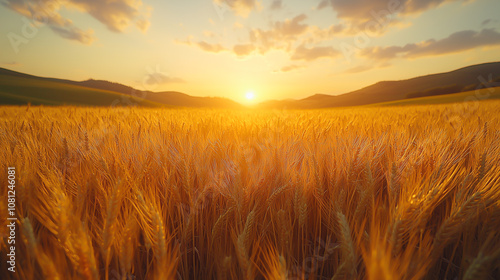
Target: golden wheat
pixel 354 193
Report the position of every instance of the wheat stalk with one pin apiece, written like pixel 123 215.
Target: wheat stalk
pixel 348 266
pixel 80 224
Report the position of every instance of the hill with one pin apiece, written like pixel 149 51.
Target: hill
pixel 465 97
pixel 20 88
pixel 465 78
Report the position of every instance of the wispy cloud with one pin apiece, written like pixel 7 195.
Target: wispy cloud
pixel 302 41
pixel 116 15
pixel 213 48
pixel 489 22
pixel 73 33
pixel 363 9
pixel 240 7
pixel 276 5
pixel 11 63
pixel 359 69
pixel 281 35
pixel 203 45
pixel 461 41
pixel 47 12
pixel 294 36
pixel 456 42
pixel 289 68
pixel 161 79
pixel 313 53
pixel 243 50
pixel 377 14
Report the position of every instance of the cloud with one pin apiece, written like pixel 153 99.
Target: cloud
pixel 364 8
pixel 243 50
pixel 46 13
pixel 116 15
pixel 489 22
pixel 203 45
pixel 289 35
pixel 292 36
pixel 281 35
pixel 12 63
pixel 360 15
pixel 277 5
pixel 486 22
pixel 73 33
pixel 213 48
pixel 359 69
pixel 456 42
pixel 209 34
pixel 291 27
pixel 377 14
pixel 240 7
pixel 289 68
pixel 323 4
pixel 417 6
pixel 308 54
pixel 322 34
pixel 157 78
pixel 143 24
pixel 386 53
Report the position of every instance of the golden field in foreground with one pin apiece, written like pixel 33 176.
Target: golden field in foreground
pixel 356 193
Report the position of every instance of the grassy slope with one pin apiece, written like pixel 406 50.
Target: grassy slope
pixel 482 94
pixel 388 91
pixel 168 98
pixel 21 90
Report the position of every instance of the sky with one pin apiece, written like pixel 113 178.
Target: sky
pixel 275 49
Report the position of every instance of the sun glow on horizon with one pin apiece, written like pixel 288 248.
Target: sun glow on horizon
pixel 261 50
pixel 250 95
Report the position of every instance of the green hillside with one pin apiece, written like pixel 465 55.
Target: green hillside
pixel 15 90
pixel 388 91
pixel 480 95
pixel 93 92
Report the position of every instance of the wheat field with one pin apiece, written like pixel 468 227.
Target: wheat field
pixel 356 193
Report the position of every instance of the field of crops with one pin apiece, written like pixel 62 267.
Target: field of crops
pixel 354 193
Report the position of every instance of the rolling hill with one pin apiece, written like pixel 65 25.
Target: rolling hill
pixel 18 88
pixel 387 91
pixel 466 97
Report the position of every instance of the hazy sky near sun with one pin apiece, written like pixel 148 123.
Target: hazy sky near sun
pixel 276 49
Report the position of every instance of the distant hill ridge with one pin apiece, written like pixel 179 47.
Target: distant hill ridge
pixel 20 88
pixel 18 93
pixel 386 91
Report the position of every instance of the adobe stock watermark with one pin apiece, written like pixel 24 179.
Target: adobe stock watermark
pixel 463 110
pixel 115 275
pixel 29 27
pixel 317 255
pixel 11 219
pixel 220 8
pixel 380 21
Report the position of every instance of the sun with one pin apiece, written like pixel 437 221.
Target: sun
pixel 250 95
